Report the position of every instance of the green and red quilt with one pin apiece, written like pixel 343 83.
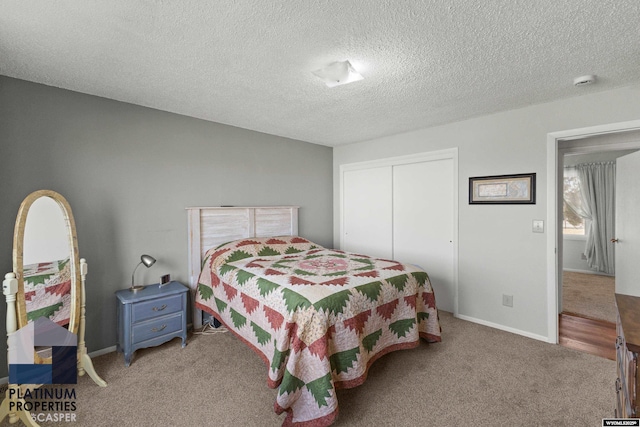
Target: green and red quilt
pixel 47 291
pixel 317 317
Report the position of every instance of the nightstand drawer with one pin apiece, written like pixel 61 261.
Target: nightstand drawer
pixel 157 307
pixel 157 327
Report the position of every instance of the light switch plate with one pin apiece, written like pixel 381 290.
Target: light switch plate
pixel 538 226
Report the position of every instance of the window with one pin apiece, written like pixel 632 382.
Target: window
pixel 573 223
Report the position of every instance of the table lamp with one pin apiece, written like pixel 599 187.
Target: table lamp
pixel 148 261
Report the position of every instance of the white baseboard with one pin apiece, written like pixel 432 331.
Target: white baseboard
pixel 597 273
pixel 103 351
pixel 505 328
pixel 5 380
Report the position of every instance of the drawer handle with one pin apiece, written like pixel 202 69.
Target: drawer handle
pixel 161 328
pixel 162 307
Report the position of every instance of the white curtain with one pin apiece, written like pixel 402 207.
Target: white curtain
pixel 598 189
pixel 573 198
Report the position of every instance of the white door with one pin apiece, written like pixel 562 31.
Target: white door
pixel 367 212
pixel 627 224
pixel 423 223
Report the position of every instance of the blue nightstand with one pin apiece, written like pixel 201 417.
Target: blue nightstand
pixel 151 316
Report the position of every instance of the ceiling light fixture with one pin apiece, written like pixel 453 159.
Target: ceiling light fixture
pixel 338 73
pixel 584 80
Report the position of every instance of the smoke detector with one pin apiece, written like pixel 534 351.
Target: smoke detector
pixel 584 80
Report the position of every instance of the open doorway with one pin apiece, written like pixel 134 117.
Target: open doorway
pixel 586 280
pixel 588 275
pixel 616 136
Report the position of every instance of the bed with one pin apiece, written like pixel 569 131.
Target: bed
pixel 317 317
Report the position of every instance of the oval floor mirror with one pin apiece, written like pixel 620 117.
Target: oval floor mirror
pixel 45 301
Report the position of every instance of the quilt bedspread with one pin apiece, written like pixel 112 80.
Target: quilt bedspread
pixel 47 291
pixel 317 317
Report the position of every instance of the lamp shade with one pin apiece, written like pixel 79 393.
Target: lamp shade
pixel 147 260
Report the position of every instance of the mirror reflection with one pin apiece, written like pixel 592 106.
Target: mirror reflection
pixel 47 268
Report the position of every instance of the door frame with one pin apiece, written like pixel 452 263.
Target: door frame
pixel 452 154
pixel 554 236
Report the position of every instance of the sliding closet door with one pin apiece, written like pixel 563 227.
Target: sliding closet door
pixel 423 223
pixel 366 210
pixel 405 208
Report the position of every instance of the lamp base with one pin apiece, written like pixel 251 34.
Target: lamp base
pixel 136 288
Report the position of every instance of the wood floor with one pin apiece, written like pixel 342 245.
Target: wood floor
pixel 592 336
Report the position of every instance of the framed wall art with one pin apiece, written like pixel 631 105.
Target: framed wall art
pixel 503 189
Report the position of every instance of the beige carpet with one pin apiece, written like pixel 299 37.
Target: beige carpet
pixel 478 376
pixel 589 295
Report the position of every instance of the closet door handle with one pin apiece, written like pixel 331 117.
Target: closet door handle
pixel 614 240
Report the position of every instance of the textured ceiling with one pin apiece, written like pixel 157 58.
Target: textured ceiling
pixel 248 63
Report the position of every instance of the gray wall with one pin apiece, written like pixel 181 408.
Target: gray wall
pixel 128 172
pixel 498 253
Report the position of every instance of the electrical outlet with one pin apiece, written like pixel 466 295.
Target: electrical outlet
pixel 507 300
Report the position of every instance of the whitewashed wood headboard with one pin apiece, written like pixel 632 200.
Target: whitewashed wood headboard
pixel 212 226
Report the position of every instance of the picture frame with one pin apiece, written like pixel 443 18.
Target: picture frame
pixel 517 189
